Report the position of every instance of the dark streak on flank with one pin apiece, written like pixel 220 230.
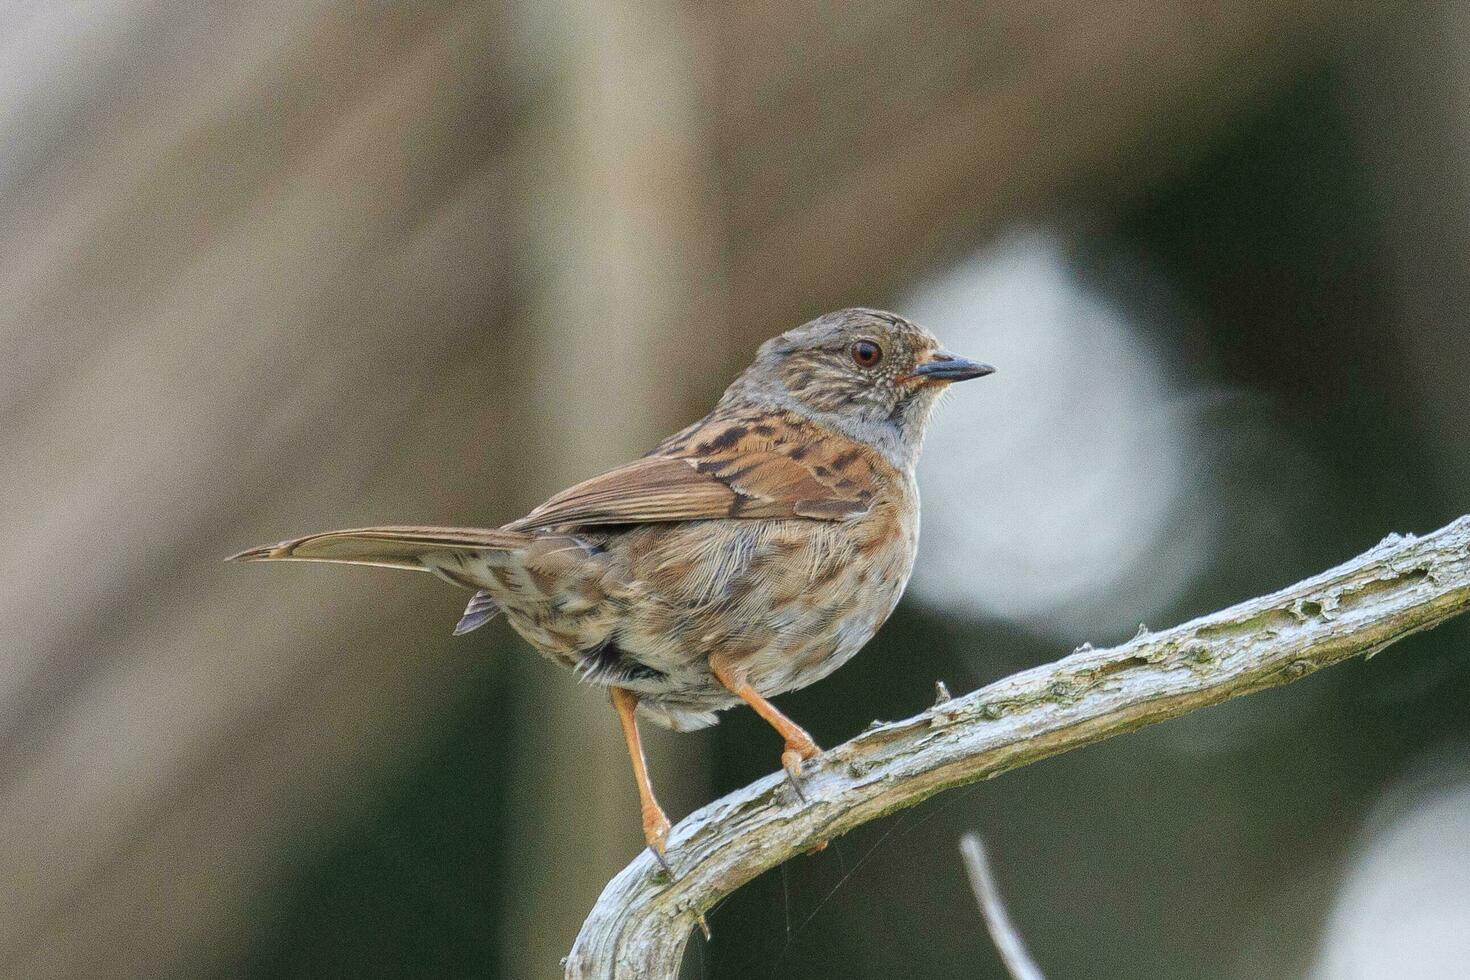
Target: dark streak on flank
pixel 828 576
pixel 545 582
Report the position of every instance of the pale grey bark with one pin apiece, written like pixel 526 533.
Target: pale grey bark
pixel 640 925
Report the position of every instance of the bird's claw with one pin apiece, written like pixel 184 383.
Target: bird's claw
pixel 656 832
pixel 794 781
pixel 797 751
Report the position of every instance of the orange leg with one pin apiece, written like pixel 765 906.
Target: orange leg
pixel 799 745
pixel 655 822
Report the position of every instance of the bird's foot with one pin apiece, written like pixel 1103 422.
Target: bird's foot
pixel 799 748
pixel 656 829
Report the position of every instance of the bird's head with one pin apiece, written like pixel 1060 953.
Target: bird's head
pixel 871 375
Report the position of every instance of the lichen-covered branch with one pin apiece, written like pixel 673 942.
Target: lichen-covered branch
pixel 641 924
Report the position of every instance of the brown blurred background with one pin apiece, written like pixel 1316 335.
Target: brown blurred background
pixel 276 267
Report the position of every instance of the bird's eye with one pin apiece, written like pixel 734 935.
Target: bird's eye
pixel 866 353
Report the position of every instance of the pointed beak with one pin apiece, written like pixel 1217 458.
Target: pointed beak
pixel 946 367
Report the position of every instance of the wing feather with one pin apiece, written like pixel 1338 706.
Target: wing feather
pixel 726 468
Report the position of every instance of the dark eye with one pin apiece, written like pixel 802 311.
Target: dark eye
pixel 866 353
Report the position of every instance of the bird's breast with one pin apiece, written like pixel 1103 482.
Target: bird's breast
pixel 847 606
pixel 788 601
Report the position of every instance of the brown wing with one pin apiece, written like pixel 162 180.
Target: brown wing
pixel 720 469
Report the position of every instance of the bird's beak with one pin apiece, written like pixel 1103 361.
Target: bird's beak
pixel 946 367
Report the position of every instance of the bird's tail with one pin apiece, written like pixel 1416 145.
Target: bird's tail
pixel 420 549
pixel 458 555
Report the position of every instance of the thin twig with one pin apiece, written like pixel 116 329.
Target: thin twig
pixel 1008 942
pixel 640 925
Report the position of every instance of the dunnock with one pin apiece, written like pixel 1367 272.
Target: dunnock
pixel 751 554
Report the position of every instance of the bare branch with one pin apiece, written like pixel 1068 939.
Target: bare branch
pixel 640 925
pixel 1003 933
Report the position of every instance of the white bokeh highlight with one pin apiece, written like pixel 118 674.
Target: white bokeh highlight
pixel 1403 909
pixel 1063 492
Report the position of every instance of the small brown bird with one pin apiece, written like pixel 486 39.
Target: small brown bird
pixel 751 554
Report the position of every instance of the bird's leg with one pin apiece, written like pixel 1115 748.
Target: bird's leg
pixel 799 745
pixel 655 821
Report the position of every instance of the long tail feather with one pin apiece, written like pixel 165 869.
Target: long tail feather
pixel 386 547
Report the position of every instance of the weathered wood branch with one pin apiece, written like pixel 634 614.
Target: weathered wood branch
pixel 640 925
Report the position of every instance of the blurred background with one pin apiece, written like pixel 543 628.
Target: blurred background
pixel 275 267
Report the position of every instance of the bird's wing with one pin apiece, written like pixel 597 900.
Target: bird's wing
pixel 722 469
